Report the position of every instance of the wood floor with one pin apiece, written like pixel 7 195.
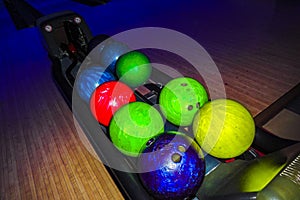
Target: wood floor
pixel 41 155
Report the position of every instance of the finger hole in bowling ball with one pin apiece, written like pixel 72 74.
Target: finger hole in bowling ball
pixel 198 105
pixel 176 158
pixel 190 107
pixel 183 84
pixel 181 148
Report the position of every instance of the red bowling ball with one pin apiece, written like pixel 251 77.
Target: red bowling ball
pixel 108 98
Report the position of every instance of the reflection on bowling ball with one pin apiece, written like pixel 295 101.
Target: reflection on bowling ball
pixel 180 99
pixel 107 53
pixel 89 79
pixel 104 51
pixel 133 68
pixel 224 128
pixel 133 125
pixel 108 98
pixel 173 166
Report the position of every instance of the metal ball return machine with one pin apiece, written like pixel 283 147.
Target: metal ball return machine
pixel 276 175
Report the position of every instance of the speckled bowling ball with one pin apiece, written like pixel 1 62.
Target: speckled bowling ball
pixel 133 125
pixel 133 68
pixel 224 128
pixel 173 166
pixel 180 99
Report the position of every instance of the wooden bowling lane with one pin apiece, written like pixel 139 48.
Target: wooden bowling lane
pixel 257 55
pixel 41 155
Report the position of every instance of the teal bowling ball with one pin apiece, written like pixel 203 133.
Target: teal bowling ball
pixel 133 68
pixel 111 52
pixel 180 99
pixel 107 52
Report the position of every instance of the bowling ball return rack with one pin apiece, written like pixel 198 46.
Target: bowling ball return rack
pixel 66 38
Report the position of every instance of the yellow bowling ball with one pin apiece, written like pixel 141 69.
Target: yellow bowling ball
pixel 224 128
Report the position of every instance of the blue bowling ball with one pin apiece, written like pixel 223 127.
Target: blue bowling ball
pixel 107 53
pixel 89 79
pixel 172 166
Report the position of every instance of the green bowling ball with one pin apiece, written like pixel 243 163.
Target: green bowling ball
pixel 180 99
pixel 133 68
pixel 133 125
pixel 224 128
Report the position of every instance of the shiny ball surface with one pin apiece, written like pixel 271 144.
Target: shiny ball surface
pixel 224 128
pixel 108 98
pixel 180 99
pixel 107 52
pixel 133 68
pixel 89 79
pixel 173 166
pixel 133 125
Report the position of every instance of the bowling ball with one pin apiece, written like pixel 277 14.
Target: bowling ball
pixel 133 125
pixel 180 99
pixel 108 98
pixel 172 166
pixel 224 128
pixel 133 68
pixel 111 52
pixel 89 79
pixel 106 52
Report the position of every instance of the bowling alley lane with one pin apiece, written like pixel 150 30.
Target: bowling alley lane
pixel 41 154
pixel 256 46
